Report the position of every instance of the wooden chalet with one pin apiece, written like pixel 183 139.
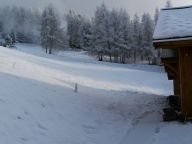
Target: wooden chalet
pixel 173 34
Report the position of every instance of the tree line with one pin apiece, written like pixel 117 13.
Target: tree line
pixel 110 34
pixel 19 24
pixel 113 35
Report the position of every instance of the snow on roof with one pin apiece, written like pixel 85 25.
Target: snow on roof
pixel 174 23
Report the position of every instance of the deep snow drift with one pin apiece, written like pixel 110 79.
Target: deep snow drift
pixel 115 104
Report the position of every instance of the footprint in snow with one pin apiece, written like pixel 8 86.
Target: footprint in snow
pixel 19 117
pixel 89 129
pixel 43 105
pixel 41 126
pixel 157 130
pixel 26 113
pixel 24 139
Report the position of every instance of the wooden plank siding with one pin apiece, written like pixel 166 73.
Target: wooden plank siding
pixel 185 63
pixel 176 86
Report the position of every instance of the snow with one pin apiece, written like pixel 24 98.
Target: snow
pixel 115 103
pixel 174 23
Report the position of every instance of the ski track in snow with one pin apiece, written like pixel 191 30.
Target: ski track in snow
pixel 116 104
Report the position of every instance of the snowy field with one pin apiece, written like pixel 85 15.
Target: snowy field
pixel 115 103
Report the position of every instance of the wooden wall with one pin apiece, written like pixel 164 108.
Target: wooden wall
pixel 185 66
pixel 176 85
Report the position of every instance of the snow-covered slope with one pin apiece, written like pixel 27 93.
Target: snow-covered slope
pixel 76 67
pixel 115 104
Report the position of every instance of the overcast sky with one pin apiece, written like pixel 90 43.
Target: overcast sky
pixel 87 7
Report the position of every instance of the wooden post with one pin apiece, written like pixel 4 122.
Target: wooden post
pixel 176 85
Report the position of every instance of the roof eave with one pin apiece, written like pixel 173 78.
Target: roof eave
pixel 172 43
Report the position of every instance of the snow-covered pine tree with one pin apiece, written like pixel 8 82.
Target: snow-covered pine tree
pixel 158 52
pixel 111 34
pixel 50 29
pixel 8 41
pixel 13 39
pixel 23 22
pixel 69 21
pixel 124 35
pixel 99 32
pixel 147 32
pixel 85 33
pixel 73 29
pixel 136 37
pixel 44 30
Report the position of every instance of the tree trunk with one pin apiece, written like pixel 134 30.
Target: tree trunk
pixel 100 57
pixel 116 58
pixel 110 58
pixel 149 60
pixel 134 57
pixel 50 50
pixel 123 58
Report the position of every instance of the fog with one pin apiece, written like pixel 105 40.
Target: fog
pixel 87 7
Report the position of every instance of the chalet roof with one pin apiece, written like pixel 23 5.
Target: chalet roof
pixel 174 24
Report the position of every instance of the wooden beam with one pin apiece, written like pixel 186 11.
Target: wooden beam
pixel 171 67
pixel 170 60
pixel 172 44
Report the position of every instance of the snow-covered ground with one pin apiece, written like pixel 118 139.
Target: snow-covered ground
pixel 115 104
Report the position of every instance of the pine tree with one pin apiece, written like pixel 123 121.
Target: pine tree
pixel 147 32
pixel 112 35
pixel 44 30
pixel 124 34
pixel 85 33
pixel 99 31
pixel 159 51
pixel 8 41
pixel 13 38
pixel 137 37
pixel 50 29
pixel 22 22
pixel 74 22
